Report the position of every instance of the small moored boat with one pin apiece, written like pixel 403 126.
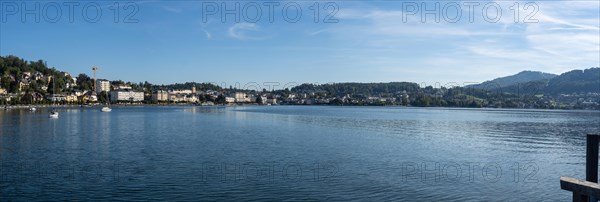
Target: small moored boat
pixel 106 109
pixel 53 114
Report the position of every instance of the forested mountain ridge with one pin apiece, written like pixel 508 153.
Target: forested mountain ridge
pixel 572 82
pixel 519 78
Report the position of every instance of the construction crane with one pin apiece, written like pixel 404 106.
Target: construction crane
pixel 95 69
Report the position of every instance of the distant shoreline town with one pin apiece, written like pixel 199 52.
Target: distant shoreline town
pixel 33 83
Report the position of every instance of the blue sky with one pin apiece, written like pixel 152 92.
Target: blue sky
pixel 167 42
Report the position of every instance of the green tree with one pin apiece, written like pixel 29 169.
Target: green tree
pixel 209 98
pixel 201 98
pixel 27 98
pixel 474 104
pixel 84 82
pixel 422 101
pixel 147 91
pixel 404 100
pixel 5 82
pixel 336 101
pixel 259 99
pixel 103 97
pixel 220 99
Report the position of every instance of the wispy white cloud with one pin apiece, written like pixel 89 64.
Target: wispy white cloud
pixel 244 31
pixel 208 35
pixel 560 40
pixel 372 43
pixel 564 24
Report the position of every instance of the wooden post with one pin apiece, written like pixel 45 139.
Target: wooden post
pixel 588 189
pixel 577 197
pixel 591 160
pixel 581 189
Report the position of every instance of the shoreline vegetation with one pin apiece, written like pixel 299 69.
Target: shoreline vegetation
pixel 98 106
pixel 33 83
pixel 117 106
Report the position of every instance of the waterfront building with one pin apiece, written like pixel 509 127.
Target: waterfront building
pixel 56 97
pixel 126 95
pixel 241 97
pixel 272 100
pixel 160 96
pixel 71 97
pixel 121 87
pixel 102 85
pixel 88 97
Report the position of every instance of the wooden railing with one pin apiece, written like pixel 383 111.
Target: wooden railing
pixel 586 190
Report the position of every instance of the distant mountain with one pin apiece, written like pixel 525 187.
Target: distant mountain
pixel 520 78
pixel 576 81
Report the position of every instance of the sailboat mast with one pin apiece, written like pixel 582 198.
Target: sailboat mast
pixel 54 88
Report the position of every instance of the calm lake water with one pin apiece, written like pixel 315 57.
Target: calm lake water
pixel 292 153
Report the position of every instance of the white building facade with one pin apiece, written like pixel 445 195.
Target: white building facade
pixel 102 85
pixel 160 95
pixel 124 95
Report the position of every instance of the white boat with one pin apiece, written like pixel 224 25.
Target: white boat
pixel 53 114
pixel 32 109
pixel 106 109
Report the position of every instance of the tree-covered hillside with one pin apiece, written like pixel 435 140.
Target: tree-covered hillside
pixel 520 78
